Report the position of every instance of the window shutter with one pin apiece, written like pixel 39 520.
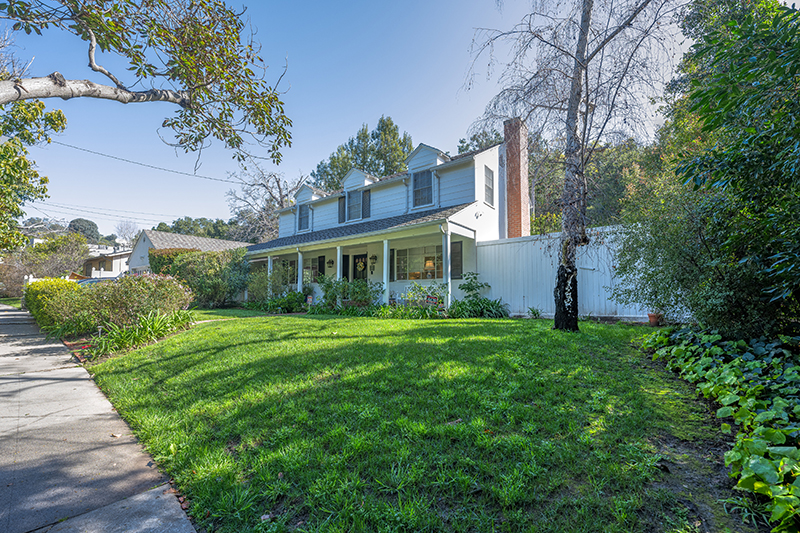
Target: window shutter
pixel 321 264
pixel 342 209
pixel 391 264
pixel 365 196
pixel 456 260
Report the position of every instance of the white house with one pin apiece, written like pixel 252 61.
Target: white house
pixel 423 225
pixel 147 239
pixel 107 262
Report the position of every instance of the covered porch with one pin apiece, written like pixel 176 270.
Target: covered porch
pixel 438 252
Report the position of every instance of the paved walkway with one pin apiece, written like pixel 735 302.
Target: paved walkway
pixel 68 462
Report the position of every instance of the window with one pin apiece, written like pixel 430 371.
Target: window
pixel 312 268
pixel 456 260
pixel 423 188
pixel 354 205
pixel 418 263
pixel 102 265
pixel 489 185
pixel 303 218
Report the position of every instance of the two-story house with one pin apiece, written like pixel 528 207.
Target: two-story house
pixel 419 226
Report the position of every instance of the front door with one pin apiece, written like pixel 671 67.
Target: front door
pixel 360 266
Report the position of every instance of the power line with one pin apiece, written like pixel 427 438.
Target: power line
pixel 95 214
pixel 71 206
pixel 145 164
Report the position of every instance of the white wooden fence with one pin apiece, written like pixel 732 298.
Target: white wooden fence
pixel 522 272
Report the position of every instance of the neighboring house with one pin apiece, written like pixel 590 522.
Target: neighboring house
pixel 420 226
pixel 107 263
pixel 147 239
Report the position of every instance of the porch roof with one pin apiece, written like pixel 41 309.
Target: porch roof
pixel 350 230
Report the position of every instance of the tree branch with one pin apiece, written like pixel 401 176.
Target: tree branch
pixel 619 29
pixel 93 64
pixel 55 86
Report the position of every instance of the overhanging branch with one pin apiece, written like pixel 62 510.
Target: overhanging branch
pixel 55 86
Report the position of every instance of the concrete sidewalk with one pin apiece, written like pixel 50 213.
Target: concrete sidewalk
pixel 68 462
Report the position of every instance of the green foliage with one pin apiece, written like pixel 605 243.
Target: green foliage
pixel 147 329
pixel 757 384
pixel 199 227
pixel 751 101
pixel 215 278
pixel 161 260
pixel 22 124
pixel 534 312
pixel 474 305
pixel 480 141
pixel 57 256
pixel 381 152
pixel 85 227
pixel 341 293
pixel 264 285
pixel 673 257
pixel 289 302
pixel 472 286
pixel 546 223
pixel 39 294
pixel 121 303
pixel 198 51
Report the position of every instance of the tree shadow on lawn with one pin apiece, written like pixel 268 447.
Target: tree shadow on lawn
pixel 472 425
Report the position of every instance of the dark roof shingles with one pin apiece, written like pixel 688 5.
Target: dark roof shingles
pixel 163 239
pixel 349 230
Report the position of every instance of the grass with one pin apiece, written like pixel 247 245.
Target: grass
pixel 13 302
pixel 333 424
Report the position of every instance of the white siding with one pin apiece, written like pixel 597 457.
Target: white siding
pixel 286 224
pixel 325 214
pixel 522 272
pixel 426 157
pixel 305 195
pixel 456 186
pixel 388 201
pixel 354 179
pixel 140 259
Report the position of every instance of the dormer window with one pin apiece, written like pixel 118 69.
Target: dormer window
pixel 354 205
pixel 303 218
pixel 423 188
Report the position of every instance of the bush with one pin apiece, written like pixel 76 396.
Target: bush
pixel 215 278
pixel 292 302
pixel 161 261
pixel 340 293
pixel 148 328
pixel 264 286
pixel 757 384
pixel 38 296
pixel 121 303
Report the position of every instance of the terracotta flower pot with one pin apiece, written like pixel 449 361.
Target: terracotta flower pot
pixel 655 319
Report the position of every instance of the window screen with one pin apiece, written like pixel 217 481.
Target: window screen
pixel 423 188
pixel 302 220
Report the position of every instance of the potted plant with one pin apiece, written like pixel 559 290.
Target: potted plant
pixel 655 318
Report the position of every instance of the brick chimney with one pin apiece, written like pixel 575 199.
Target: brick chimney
pixel 518 196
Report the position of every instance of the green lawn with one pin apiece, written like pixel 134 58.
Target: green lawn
pixel 13 302
pixel 215 314
pixel 335 424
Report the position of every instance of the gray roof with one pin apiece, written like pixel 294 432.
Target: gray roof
pixel 350 230
pixel 163 239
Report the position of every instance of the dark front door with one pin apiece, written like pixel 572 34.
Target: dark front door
pixel 360 266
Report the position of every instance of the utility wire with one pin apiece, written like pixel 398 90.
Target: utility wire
pixel 145 164
pixel 112 210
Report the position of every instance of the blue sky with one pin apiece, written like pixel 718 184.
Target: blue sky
pixel 348 64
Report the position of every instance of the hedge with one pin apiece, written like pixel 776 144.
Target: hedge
pixel 39 294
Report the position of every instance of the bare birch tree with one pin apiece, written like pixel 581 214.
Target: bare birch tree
pixel 580 73
pixel 255 206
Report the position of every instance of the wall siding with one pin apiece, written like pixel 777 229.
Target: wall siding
pixel 522 272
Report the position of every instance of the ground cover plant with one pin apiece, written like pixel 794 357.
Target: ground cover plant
pixel 312 423
pixel 13 302
pixel 757 385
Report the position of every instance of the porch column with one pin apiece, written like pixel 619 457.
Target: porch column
pixel 299 270
pixel 386 271
pixel 446 264
pixel 269 265
pixel 338 262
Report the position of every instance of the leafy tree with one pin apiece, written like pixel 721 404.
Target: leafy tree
pixel 480 140
pixel 85 227
pixel 578 72
pixel 752 101
pixel 57 256
pixel 22 124
pixel 199 227
pixel 381 152
pixel 194 54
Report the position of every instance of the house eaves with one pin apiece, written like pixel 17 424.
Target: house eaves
pixel 362 229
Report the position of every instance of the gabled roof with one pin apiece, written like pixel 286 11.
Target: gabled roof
pixel 422 147
pixel 350 230
pixel 163 239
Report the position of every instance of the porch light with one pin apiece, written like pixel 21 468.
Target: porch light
pixel 372 261
pixel 329 263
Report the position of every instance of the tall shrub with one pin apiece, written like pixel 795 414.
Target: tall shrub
pixel 215 278
pixel 264 285
pixel 161 260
